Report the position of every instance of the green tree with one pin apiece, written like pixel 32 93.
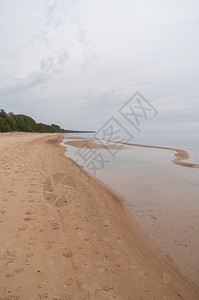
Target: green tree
pixel 12 122
pixel 3 114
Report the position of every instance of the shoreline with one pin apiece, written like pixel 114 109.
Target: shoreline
pixel 170 227
pixel 95 250
pixel 180 154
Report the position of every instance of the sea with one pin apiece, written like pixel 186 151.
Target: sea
pixel 162 197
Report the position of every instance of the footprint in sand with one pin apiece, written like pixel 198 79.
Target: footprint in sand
pixel 43 296
pixel 22 227
pixel 29 212
pixel 30 241
pixel 19 270
pixel 63 297
pixel 2 291
pixel 68 281
pixel 27 219
pixel 107 286
pixel 30 254
pixel 41 284
pixel 54 224
pixel 48 245
pixel 118 238
pixel 31 200
pixel 9 255
pixel 68 254
pixel 31 191
pixel 39 229
pixel 11 192
pixel 10 274
pixel 10 297
pixel 66 297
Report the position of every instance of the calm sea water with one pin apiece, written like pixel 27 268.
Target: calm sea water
pixel 161 196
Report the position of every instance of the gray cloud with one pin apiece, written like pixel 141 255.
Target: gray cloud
pixel 52 16
pixel 42 37
pixel 87 56
pixel 31 81
pixel 81 35
pixel 47 64
pixel 54 63
pixel 62 57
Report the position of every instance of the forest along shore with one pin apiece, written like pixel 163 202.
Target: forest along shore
pixel 64 237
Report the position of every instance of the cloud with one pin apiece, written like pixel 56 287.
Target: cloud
pixel 81 35
pixel 47 64
pixel 62 57
pixel 52 16
pixel 90 55
pixel 42 37
pixel 54 63
pixel 33 80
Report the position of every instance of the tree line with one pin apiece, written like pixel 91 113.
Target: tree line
pixel 12 122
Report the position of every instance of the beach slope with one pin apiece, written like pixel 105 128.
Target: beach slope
pixel 71 240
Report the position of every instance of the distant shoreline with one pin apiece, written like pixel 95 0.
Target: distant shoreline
pixel 78 131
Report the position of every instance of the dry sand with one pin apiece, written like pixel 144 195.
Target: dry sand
pixel 86 249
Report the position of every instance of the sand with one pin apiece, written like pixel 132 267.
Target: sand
pixel 83 246
pixel 180 154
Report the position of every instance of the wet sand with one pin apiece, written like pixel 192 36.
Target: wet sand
pixel 180 154
pixel 161 194
pixel 86 248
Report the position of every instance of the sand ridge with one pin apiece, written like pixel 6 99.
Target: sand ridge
pixel 88 249
pixel 180 154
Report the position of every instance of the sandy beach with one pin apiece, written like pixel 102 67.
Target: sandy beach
pixel 72 240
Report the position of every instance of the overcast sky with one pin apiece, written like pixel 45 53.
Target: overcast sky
pixel 75 62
